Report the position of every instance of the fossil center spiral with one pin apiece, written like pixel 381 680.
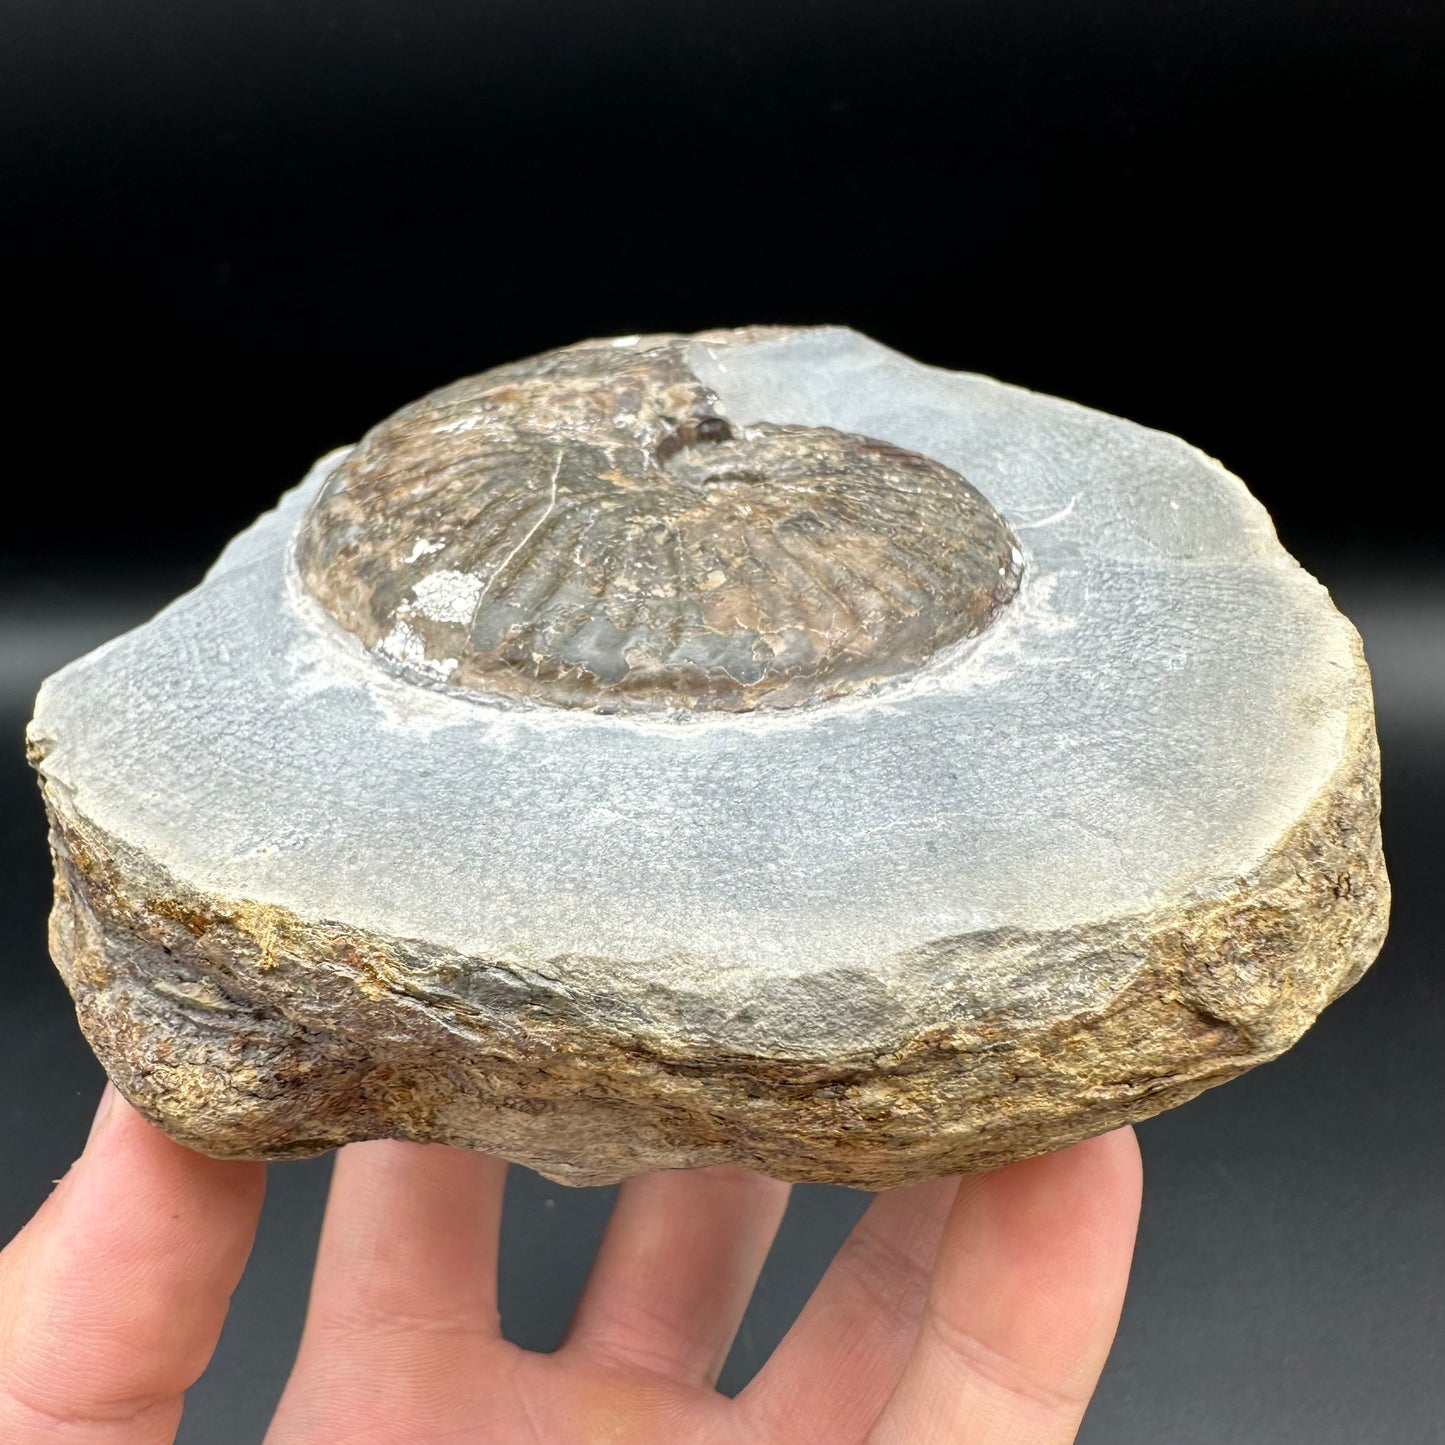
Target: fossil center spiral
pixel 588 529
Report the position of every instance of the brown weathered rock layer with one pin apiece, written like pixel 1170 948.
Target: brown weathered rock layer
pixel 246 1031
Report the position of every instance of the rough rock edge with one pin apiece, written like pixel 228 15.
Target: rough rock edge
pixel 247 1032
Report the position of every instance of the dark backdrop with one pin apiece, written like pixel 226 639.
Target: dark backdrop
pixel 235 235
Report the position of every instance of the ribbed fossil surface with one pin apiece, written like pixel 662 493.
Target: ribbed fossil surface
pixel 587 528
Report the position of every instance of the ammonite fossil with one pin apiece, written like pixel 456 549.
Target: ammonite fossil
pixel 588 528
pixel 751 747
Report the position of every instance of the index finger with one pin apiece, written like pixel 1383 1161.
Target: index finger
pixel 113 1296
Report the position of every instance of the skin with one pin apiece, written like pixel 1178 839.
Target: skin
pixel 977 1310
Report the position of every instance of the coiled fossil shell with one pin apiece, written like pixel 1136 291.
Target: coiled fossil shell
pixel 588 529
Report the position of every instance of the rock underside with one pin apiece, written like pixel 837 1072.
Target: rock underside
pixel 246 1032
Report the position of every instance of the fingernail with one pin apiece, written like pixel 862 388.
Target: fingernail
pixel 107 1099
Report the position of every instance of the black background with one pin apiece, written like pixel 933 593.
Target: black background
pixel 237 235
pixel 234 236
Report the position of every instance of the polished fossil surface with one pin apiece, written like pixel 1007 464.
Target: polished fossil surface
pixel 1118 846
pixel 589 528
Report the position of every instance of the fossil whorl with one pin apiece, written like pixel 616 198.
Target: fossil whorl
pixel 586 528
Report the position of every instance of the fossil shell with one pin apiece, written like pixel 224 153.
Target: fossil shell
pixel 587 528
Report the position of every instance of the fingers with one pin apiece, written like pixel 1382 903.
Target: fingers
pixel 1024 1302
pixel 403 1310
pixel 113 1296
pixel 830 1376
pixel 676 1270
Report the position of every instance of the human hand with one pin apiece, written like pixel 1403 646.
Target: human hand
pixel 975 1311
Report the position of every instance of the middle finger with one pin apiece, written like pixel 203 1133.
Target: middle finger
pixel 676 1270
pixel 403 1309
